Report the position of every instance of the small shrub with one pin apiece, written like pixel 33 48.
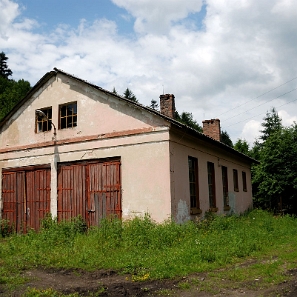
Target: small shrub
pixel 6 228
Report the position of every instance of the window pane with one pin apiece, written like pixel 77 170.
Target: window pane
pixel 211 185
pixel 74 121
pixel 244 181
pixel 235 179
pixel 69 122
pixel 63 111
pixel 74 108
pixel 63 123
pixel 192 176
pixel 193 182
pixel 39 127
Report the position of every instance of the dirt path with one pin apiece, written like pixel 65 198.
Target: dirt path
pixel 109 283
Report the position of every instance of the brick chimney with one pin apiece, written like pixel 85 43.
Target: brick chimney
pixel 167 105
pixel 212 128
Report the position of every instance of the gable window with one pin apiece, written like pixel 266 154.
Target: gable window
pixel 211 186
pixel 244 181
pixel 194 186
pixel 225 187
pixel 68 115
pixel 43 120
pixel 235 180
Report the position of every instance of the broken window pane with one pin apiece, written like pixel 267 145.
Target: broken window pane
pixel 43 119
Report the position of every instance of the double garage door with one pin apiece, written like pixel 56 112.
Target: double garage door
pixel 90 189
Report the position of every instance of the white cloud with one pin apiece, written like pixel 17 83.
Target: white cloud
pixel 8 12
pixel 287 119
pixel 246 48
pixel 251 131
pixel 157 16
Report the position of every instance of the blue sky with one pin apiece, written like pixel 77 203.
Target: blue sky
pixel 51 13
pixel 227 59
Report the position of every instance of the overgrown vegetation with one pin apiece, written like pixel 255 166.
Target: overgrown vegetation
pixel 147 250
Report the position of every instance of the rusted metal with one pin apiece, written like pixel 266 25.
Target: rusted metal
pixel 90 189
pixel 26 197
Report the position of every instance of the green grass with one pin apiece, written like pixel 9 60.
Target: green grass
pixel 147 250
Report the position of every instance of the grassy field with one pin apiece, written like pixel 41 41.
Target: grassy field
pixel 146 250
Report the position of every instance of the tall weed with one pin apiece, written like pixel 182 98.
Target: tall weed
pixel 146 249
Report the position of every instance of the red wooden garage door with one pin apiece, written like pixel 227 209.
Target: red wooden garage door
pixel 25 196
pixel 91 189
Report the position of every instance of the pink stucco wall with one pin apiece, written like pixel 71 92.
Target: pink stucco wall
pixel 107 127
pixel 183 147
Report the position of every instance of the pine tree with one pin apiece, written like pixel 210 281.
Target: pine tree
pixel 4 70
pixel 187 119
pixel 129 95
pixel 114 91
pixel 242 146
pixel 225 138
pixel 272 123
pixel 154 104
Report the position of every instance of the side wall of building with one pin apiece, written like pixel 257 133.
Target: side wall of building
pixel 181 149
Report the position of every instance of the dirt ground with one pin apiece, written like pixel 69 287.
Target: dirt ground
pixel 109 283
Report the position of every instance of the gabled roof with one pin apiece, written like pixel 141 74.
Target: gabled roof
pixel 174 123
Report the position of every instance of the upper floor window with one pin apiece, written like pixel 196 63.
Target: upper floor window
pixel 244 181
pixel 68 115
pixel 235 180
pixel 43 119
pixel 193 181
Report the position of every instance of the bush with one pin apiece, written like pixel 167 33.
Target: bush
pixel 6 228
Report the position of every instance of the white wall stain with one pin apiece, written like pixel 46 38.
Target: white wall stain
pixel 232 201
pixel 182 212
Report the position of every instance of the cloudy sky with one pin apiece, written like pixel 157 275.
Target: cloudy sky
pixel 226 59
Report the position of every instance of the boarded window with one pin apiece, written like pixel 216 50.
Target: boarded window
pixel 211 185
pixel 225 186
pixel 244 181
pixel 43 120
pixel 193 181
pixel 90 189
pixel 235 180
pixel 26 197
pixel 68 115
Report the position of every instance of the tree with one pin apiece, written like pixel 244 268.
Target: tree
pixel 242 146
pixel 11 92
pixel 129 95
pixel 114 91
pixel 4 70
pixel 225 138
pixel 187 119
pixel 276 175
pixel 272 124
pixel 154 104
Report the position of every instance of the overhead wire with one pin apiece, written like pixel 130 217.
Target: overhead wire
pixel 261 104
pixel 258 96
pixel 259 114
